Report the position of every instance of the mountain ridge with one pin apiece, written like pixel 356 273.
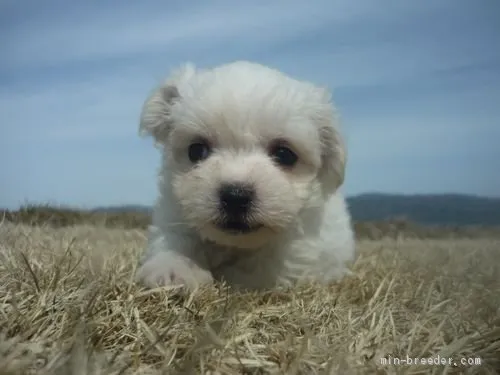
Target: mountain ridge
pixel 429 209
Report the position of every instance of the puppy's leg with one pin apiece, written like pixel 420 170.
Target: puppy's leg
pixel 171 268
pixel 170 262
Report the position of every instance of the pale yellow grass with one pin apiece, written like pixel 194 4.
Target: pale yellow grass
pixel 68 305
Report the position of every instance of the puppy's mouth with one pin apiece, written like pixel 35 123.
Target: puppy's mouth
pixel 237 227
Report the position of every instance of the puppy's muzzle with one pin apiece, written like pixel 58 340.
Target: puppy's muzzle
pixel 235 203
pixel 236 199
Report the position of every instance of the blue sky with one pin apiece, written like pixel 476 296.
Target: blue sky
pixel 417 84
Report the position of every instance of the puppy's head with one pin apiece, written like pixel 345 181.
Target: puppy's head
pixel 247 149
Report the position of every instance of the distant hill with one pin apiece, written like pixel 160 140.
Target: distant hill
pixel 442 209
pixel 125 208
pixel 439 209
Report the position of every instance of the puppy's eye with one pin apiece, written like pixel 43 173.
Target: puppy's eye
pixel 284 156
pixel 198 151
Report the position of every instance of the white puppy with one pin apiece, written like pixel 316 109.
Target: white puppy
pixel 248 188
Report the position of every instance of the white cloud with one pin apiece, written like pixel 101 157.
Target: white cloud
pixel 92 34
pixel 86 31
pixel 108 105
pixel 104 108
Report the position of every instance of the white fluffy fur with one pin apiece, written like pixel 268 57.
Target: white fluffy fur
pixel 240 109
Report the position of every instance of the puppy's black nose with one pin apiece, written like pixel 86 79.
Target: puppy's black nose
pixel 236 199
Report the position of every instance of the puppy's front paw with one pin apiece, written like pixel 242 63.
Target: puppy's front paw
pixel 168 268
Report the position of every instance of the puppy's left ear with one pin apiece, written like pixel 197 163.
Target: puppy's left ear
pixel 333 157
pixel 155 116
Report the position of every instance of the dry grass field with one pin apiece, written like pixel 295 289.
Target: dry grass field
pixel 68 306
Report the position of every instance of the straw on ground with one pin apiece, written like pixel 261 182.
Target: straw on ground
pixel 68 305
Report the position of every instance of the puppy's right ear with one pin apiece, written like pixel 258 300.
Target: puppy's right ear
pixel 155 116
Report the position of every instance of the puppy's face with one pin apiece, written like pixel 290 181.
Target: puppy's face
pixel 247 150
